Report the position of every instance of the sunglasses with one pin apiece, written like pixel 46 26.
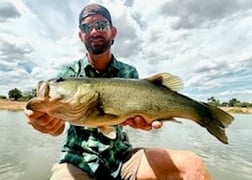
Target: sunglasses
pixel 98 25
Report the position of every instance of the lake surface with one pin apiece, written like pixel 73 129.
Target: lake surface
pixel 26 154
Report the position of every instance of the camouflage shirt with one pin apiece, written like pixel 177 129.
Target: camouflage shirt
pixel 87 148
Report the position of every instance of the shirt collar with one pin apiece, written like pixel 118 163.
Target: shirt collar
pixel 111 71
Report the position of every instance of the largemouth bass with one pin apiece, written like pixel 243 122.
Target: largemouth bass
pixel 104 102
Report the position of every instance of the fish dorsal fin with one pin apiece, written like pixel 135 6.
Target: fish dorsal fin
pixel 168 80
pixel 43 89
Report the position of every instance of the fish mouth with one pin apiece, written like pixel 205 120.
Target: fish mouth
pixel 42 93
pixel 34 104
pixel 46 88
pixel 46 98
pixel 43 89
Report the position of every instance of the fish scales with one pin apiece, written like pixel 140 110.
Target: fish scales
pixel 104 102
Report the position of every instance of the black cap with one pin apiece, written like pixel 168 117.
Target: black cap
pixel 93 9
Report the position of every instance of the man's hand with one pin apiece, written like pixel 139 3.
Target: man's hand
pixel 139 122
pixel 45 123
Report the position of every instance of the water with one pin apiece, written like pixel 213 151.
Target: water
pixel 26 154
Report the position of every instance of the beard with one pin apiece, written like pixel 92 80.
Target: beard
pixel 98 48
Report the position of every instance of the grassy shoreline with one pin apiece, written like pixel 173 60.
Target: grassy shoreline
pixel 238 110
pixel 6 104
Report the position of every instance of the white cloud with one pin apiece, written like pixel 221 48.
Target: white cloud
pixel 206 43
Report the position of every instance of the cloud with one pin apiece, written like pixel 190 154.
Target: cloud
pixel 194 13
pixel 128 32
pixel 55 16
pixel 8 11
pixel 206 43
pixel 14 49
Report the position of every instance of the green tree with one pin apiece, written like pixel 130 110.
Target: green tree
pixel 3 97
pixel 213 101
pixel 15 94
pixel 28 95
pixel 233 102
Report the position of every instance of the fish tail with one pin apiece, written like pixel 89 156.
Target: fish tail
pixel 217 121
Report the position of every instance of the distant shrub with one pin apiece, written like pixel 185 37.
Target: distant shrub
pixel 3 97
pixel 15 94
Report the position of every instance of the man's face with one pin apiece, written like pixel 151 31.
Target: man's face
pixel 97 34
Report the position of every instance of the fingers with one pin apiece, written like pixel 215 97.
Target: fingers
pixel 44 123
pixel 49 125
pixel 32 114
pixel 58 128
pixel 157 124
pixel 139 122
pixel 133 123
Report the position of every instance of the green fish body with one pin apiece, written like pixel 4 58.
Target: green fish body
pixel 104 102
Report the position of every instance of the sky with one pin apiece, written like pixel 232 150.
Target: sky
pixel 208 44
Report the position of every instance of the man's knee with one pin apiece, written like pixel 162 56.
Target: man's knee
pixel 194 160
pixel 67 171
pixel 172 164
pixel 194 167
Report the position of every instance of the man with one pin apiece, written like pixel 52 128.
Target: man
pixel 87 154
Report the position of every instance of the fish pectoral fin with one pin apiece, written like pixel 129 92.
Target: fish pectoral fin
pixel 111 112
pixel 167 80
pixel 177 121
pixel 171 119
pixel 108 131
